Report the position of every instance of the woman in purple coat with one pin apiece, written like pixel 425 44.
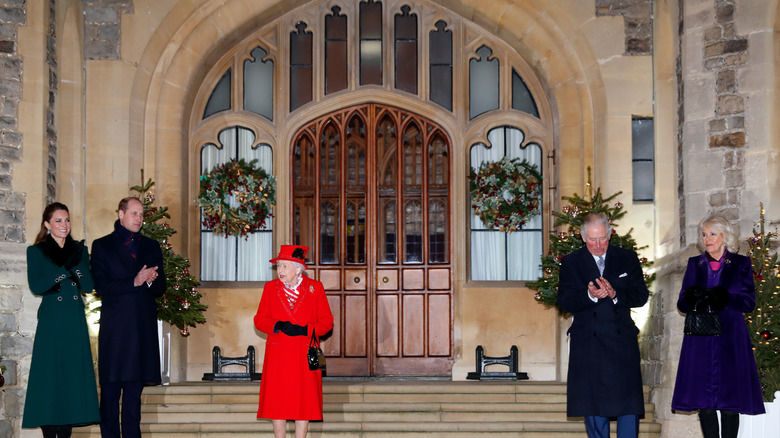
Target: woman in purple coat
pixel 718 373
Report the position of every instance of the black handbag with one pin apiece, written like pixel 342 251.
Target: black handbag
pixel 315 355
pixel 702 323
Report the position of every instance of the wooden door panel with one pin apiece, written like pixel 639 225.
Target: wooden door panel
pixel 387 279
pixel 414 279
pixel 355 330
pixel 330 279
pixel 439 316
pixel 355 279
pixel 387 325
pixel 331 346
pixel 438 279
pixel 413 325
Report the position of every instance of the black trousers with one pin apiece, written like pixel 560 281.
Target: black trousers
pixel 110 393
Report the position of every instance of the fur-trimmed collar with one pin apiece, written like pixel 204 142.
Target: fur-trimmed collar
pixel 52 251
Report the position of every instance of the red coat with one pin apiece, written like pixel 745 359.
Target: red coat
pixel 289 390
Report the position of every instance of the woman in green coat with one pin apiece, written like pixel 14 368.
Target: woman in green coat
pixel 61 390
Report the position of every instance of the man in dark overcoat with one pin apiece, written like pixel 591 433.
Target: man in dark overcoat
pixel 128 272
pixel 599 284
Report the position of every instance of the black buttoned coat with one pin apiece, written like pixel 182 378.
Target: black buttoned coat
pixel 128 349
pixel 604 376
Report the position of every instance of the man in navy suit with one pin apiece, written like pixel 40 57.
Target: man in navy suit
pixel 128 272
pixel 599 284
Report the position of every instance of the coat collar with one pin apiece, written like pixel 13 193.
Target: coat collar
pixel 305 291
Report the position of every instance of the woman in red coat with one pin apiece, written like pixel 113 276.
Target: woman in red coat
pixel 292 308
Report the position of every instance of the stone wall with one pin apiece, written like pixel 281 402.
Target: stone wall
pixel 12 211
pixel 13 347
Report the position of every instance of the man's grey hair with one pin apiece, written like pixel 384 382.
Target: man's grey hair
pixel 594 218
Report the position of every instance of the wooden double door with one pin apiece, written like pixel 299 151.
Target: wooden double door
pixel 371 198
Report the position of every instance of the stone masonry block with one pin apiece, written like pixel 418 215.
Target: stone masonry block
pixel 732 140
pixel 8 322
pixel 102 50
pixel 10 138
pixel 108 32
pixel 714 63
pixel 12 218
pixel 10 107
pixel 8 47
pixel 6 428
pixel 13 15
pixel 738 59
pixel 14 234
pixel 734 178
pixel 713 33
pixel 11 89
pixel 100 14
pixel 736 45
pixel 717 199
pixel 6 183
pixel 730 104
pixel 12 402
pixel 16 346
pixel 11 68
pixel 7 31
pixel 715 49
pixel 724 13
pixel 717 125
pixel 10 298
pixel 726 82
pixel 10 373
pixel 9 153
pixel 736 122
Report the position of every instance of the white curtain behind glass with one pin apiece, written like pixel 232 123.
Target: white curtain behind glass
pixel 497 255
pixel 235 258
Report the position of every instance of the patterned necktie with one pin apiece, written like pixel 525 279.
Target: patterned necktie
pixel 600 264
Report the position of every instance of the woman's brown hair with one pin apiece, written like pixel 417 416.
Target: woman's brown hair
pixel 48 212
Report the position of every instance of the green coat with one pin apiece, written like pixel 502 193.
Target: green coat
pixel 61 389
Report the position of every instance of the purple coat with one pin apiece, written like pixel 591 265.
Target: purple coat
pixel 719 372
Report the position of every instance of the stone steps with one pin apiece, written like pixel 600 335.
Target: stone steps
pixel 371 409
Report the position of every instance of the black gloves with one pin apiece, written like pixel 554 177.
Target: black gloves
pixel 73 259
pixel 695 296
pixel 290 329
pixel 713 299
pixel 719 298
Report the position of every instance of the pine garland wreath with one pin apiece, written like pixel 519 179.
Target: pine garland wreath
pixel 180 305
pixel 569 240
pixel 237 198
pixel 764 321
pixel 506 194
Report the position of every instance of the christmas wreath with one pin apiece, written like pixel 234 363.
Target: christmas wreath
pixel 237 198
pixel 506 194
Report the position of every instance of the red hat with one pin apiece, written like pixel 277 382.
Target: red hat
pixel 292 253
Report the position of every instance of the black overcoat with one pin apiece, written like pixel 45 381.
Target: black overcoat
pixel 128 349
pixel 604 376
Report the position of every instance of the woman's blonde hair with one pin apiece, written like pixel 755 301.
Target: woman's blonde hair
pixel 720 225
